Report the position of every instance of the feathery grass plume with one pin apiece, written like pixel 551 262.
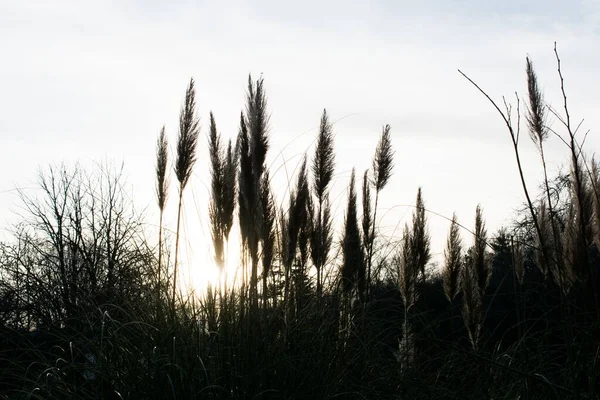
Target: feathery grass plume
pixel 216 206
pixel 479 256
pixel 453 255
pixel 407 282
pixel 321 240
pixel 536 111
pixel 267 231
pixel 407 272
pixel 189 130
pixel 297 212
pixel 258 125
pixel 245 187
pixel 518 259
pixel 322 171
pixel 352 248
pixel 383 164
pixel 579 230
pixel 324 160
pixel 245 193
pixel 472 302
pixel 420 239
pixel 162 188
pixel 223 191
pixel 299 219
pixel 252 165
pixel 580 197
pixel 514 132
pixel 550 244
pixel 162 161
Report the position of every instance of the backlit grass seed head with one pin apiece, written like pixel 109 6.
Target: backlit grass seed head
pixel 420 238
pixel 383 163
pixel 407 270
pixel 479 256
pixel 536 108
pixel 162 181
pixel 189 129
pixel 324 160
pixel 453 259
pixel 352 248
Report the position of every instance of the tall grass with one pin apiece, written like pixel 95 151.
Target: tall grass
pixel 80 285
pixel 162 186
pixel 189 129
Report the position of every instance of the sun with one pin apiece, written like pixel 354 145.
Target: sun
pixel 198 267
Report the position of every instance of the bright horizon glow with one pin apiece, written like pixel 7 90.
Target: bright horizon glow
pixel 197 267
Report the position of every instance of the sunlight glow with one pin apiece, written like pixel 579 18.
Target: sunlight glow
pixel 199 269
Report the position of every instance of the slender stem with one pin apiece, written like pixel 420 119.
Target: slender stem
pixel 176 252
pixel 555 232
pixel 371 243
pixel 158 283
pixel 515 142
pixel 579 187
pixel 320 247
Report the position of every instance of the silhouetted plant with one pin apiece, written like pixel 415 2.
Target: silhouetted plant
pixel 189 129
pixel 550 245
pixel 514 132
pixel 472 310
pixel 322 170
pixel 579 194
pixel 478 255
pixel 162 186
pixel 353 264
pixel 217 195
pixel 407 271
pixel 383 164
pixel 420 239
pixel 453 255
pixel 268 217
pixel 299 230
pixel 253 144
pixel 223 191
pixel 407 281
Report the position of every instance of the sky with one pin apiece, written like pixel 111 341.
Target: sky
pixel 91 82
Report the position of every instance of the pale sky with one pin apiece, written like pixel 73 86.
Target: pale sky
pixel 92 81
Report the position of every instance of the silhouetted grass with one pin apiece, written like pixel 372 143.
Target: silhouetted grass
pixel 515 315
